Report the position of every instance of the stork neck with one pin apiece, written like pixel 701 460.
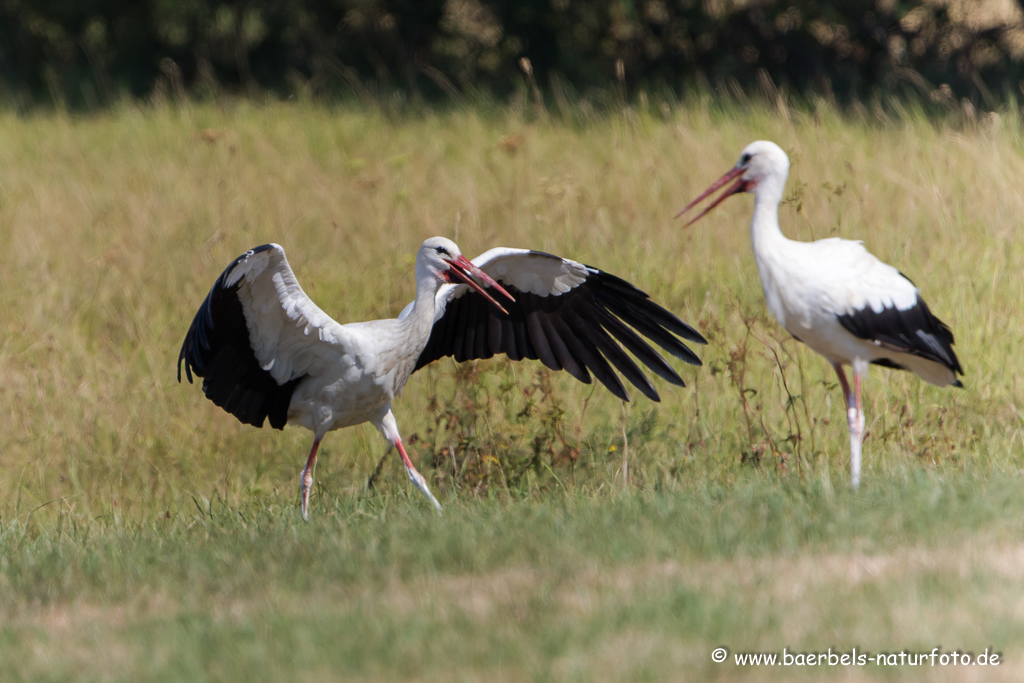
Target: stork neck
pixel 422 314
pixel 764 227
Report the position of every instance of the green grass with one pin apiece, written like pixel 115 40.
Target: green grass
pixel 568 587
pixel 147 535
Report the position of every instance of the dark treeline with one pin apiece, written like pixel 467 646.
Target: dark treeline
pixel 91 52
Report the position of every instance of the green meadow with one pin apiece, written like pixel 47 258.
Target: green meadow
pixel 147 535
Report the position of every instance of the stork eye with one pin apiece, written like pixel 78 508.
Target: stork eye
pixel 442 251
pixel 745 159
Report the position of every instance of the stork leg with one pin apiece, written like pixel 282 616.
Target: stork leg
pixel 415 476
pixel 389 428
pixel 307 478
pixel 854 419
pixel 856 431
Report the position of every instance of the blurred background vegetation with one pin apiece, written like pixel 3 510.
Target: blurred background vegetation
pixel 89 53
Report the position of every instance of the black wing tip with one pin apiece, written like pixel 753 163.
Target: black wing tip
pixel 681 328
pixel 639 297
pixel 255 250
pixel 217 348
pixel 689 357
pixel 915 331
pixel 188 372
pixel 636 308
pixel 604 305
pixel 241 257
pixel 620 393
pixel 183 358
pixel 202 321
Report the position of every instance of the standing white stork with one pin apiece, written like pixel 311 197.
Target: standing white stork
pixel 834 296
pixel 265 350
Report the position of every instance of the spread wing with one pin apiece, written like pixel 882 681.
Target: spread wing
pixel 568 315
pixel 256 336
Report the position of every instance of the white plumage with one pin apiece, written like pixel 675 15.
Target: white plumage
pixel 267 352
pixel 834 295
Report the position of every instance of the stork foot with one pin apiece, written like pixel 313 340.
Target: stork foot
pixel 415 477
pixel 421 484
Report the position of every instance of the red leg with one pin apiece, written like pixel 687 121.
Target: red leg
pixel 847 395
pixel 307 478
pixel 405 456
pixel 415 476
pixel 389 429
pixel 856 393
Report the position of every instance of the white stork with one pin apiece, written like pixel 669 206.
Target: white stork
pixel 834 296
pixel 265 350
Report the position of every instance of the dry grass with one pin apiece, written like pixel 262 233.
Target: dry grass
pixel 115 226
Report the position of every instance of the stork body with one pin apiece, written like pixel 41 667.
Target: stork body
pixel 267 352
pixel 835 296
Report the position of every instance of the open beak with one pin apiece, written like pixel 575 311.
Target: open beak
pixel 740 185
pixel 464 269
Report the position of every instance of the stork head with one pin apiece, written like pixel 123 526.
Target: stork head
pixel 763 167
pixel 440 258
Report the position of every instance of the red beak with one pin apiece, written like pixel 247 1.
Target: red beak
pixel 740 185
pixel 466 271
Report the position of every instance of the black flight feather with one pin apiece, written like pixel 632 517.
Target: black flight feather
pixel 579 331
pixel 217 348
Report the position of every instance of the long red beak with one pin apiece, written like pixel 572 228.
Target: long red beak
pixel 740 185
pixel 464 269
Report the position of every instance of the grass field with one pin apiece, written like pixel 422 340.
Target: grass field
pixel 147 535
